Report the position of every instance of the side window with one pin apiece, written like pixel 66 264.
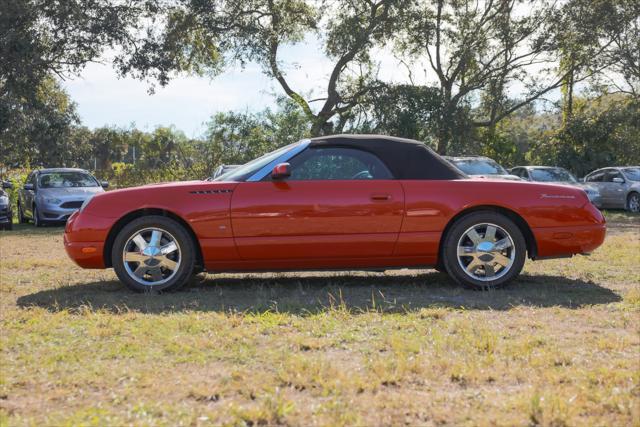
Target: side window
pixel 337 164
pixel 612 174
pixel 34 180
pixel 596 177
pixel 521 172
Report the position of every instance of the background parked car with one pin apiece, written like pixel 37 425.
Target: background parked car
pixel 481 167
pixel 52 195
pixel 619 187
pixel 557 175
pixel 222 169
pixel 6 213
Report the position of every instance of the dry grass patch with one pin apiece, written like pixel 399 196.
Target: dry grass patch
pixel 559 347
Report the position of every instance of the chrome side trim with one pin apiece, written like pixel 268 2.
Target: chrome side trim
pixel 284 157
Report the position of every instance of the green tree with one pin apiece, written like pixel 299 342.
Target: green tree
pixel 203 34
pixel 36 130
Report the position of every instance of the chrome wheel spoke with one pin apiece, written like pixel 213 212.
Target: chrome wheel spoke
pixel 490 234
pixel 168 263
pixel 140 242
pixel 501 260
pixel 168 248
pixel 135 257
pixel 474 236
pixel 156 236
pixel 473 265
pixel 503 244
pixel 466 251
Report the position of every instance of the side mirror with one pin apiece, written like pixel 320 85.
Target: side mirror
pixel 7 185
pixel 29 187
pixel 281 171
pixel 618 180
pixel 104 184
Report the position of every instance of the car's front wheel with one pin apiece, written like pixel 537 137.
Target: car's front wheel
pixel 36 217
pixel 484 250
pixel 153 253
pixel 633 202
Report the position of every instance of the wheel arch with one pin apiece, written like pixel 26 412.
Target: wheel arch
pixel 532 246
pixel 126 219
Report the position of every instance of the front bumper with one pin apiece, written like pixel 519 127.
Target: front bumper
pixel 6 216
pixel 84 239
pixel 55 213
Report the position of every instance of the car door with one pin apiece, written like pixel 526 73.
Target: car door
pixel 614 192
pixel 338 203
pixel 596 179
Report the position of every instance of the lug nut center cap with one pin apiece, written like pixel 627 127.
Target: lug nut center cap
pixel 485 247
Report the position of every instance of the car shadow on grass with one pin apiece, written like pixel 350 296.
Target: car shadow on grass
pixel 313 293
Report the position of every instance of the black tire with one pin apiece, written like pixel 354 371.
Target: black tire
pixel 21 218
pixel 486 263
pixel 633 202
pixel 37 221
pixel 174 232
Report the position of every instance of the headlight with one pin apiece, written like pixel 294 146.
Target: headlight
pixel 86 202
pixel 53 201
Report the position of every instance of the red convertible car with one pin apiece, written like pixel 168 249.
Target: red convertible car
pixel 333 203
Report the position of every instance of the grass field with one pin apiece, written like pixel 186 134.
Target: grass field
pixel 561 346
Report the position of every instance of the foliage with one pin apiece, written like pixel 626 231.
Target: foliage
pixel 37 129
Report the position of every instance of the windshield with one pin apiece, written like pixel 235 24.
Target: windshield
pixel 245 171
pixel 632 174
pixel 67 180
pixel 479 167
pixel 552 175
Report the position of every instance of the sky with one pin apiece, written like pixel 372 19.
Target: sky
pixel 187 102
pixel 104 99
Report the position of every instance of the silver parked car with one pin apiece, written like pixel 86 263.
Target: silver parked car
pixel 481 167
pixel 619 187
pixel 52 195
pixel 557 175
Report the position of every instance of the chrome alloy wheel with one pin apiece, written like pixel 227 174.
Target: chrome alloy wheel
pixel 486 252
pixel 151 256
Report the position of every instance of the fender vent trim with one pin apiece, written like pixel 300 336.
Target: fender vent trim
pixel 210 191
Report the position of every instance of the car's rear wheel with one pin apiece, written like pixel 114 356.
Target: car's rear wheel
pixel 484 250
pixel 633 202
pixel 153 253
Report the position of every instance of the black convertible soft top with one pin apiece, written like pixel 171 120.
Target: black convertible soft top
pixel 405 158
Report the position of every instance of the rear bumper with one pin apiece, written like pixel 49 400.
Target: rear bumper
pixel 560 242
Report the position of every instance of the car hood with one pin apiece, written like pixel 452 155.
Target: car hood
pixel 75 193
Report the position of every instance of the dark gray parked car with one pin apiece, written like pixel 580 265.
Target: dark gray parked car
pixel 557 175
pixel 52 195
pixel 6 213
pixel 619 187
